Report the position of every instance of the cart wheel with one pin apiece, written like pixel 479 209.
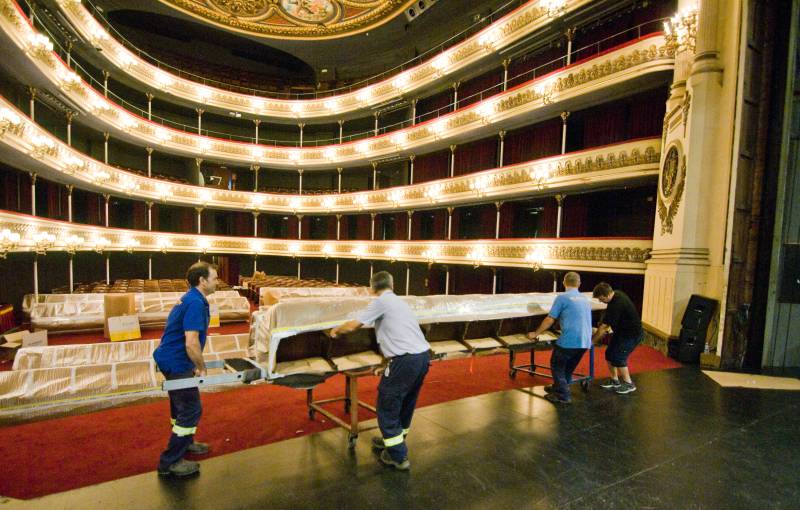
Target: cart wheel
pixel 311 414
pixel 512 374
pixel 351 440
pixel 585 385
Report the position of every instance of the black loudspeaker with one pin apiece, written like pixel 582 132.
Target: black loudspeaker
pixel 418 8
pixel 694 328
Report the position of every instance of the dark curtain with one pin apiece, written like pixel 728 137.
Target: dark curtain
pixel 538 141
pixel 435 280
pixel 188 220
pixel 605 125
pixel 430 167
pixel 536 64
pixel 574 221
pixel 434 106
pixel 470 280
pixel 480 87
pixel 363 226
pixel 243 224
pixel 400 226
pixel 549 219
pixel 139 215
pixel 155 220
pixel 646 114
pixel 476 156
pixel 330 230
pixel 507 213
pixel 440 224
pixel 293 225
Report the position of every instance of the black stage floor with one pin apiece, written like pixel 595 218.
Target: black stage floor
pixel 679 442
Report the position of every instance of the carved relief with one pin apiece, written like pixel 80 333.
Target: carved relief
pixel 671 186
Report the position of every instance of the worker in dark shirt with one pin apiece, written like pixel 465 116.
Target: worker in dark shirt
pixel 622 319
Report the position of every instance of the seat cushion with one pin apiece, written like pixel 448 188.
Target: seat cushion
pixel 358 361
pixel 315 365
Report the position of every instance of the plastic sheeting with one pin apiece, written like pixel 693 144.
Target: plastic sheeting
pixel 295 316
pixel 268 296
pixel 80 312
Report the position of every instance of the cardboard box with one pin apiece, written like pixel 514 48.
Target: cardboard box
pixel 124 327
pixel 116 305
pixel 213 311
pixel 13 341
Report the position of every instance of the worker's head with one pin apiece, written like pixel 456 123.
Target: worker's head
pixel 203 276
pixel 572 280
pixel 380 281
pixel 603 292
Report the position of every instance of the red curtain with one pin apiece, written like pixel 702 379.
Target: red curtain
pixel 154 214
pixel 473 90
pixel 428 105
pixel 646 114
pixel 139 216
pixel 54 202
pixel 507 212
pixel 401 226
pixel 532 142
pixel 488 218
pixel 574 221
pixel 604 125
pixel 470 280
pixel 476 156
pixel 292 227
pixel 440 224
pixel 542 61
pixel 430 167
pixel 330 231
pixel 188 221
pixel 243 224
pixel 549 219
pixel 362 226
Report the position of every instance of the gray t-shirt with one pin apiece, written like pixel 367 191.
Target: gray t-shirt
pixel 396 326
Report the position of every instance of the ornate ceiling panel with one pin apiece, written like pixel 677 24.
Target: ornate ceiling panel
pixel 293 19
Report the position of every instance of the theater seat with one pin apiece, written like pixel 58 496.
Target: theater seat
pixel 445 339
pixel 480 336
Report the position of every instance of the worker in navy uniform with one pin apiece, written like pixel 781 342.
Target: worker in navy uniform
pixel 408 352
pixel 574 314
pixel 179 356
pixel 622 319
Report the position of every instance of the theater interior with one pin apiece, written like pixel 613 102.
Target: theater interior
pixel 479 152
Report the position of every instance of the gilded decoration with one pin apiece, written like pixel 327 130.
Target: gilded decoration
pixel 670 189
pixel 294 19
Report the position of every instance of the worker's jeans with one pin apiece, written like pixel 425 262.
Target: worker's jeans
pixel 185 410
pixel 397 397
pixel 562 365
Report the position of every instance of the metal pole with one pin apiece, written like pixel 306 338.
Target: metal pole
pixel 257 123
pixel 70 114
pixel 70 188
pixel 149 161
pixel 36 275
pixel 410 214
pixel 449 223
pixel 199 120
pixel 338 227
pixel 452 160
pixel 408 279
pixel 564 117
pixel 411 169
pixel 149 216
pixel 570 33
pixel 255 169
pixel 149 97
pixel 501 150
pixel 33 194
pixel 32 103
pixel 108 270
pixel 560 200
pixel 372 227
pixel 106 136
pixel 108 198
pixel 506 63
pixel 498 205
pixel 339 179
pixel 299 226
pixel 298 269
pixel 301 126
pixel 255 224
pixel 341 131
pixel 376 114
pixel 414 112
pixel 199 219
pixel 374 175
pixel 447 281
pixel 106 75
pixel 337 272
pixel 71 273
pixel 300 183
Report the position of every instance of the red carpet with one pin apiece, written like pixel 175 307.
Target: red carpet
pixel 57 455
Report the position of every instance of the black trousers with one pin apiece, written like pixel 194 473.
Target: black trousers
pixel 185 410
pixel 562 365
pixel 397 398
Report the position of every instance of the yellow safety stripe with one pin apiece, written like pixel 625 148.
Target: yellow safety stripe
pixel 405 432
pixel 172 421
pixel 183 431
pixel 393 441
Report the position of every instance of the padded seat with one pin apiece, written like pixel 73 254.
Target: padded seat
pixel 449 349
pixel 315 365
pixel 358 361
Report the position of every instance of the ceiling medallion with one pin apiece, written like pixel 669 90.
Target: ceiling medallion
pixel 294 19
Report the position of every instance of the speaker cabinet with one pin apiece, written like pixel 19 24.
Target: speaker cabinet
pixel 417 8
pixel 694 328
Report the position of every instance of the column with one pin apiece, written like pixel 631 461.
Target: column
pixel 506 63
pixel 149 97
pixel 559 215
pixel 341 130
pixel 497 205
pixel 301 126
pixel 338 227
pixel 69 115
pixel 106 136
pixel 374 175
pixel 411 169
pixel 371 270
pixel 108 269
pixel 255 169
pixel 337 271
pixel 570 33
pixel 446 280
pixel 501 148
pixel 255 223
pixel 106 75
pixel 36 275
pixel 255 263
pixel 372 226
pixel 339 179
pixel 408 234
pixel 452 160
pixel 69 64
pixel 376 115
pixel 107 198
pixel 149 161
pixel 198 163
pixel 149 216
pixel 414 112
pixel 199 219
pixel 455 94
pixel 32 102
pixel 300 181
pixel 564 117
pixel 33 194
pixel 449 223
pixel 299 267
pixel 70 189
pixel 200 112
pixel 408 278
pixel 494 280
pixel 71 273
pixel 299 226
pixel 257 123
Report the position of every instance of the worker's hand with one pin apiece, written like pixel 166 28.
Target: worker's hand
pixel 334 332
pixel 533 336
pixel 198 372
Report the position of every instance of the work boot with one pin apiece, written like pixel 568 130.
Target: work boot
pixel 378 444
pixel 387 459
pixel 557 399
pixel 180 469
pixel 549 388
pixel 198 448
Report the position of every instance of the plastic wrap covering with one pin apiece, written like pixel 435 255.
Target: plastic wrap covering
pixel 28 358
pixel 80 312
pixel 294 318
pixel 268 296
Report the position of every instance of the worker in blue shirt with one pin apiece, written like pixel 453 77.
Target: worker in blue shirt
pixel 180 356
pixel 574 313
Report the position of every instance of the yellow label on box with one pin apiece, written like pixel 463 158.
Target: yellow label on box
pixel 213 310
pixel 125 327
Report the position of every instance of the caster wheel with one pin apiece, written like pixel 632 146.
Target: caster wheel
pixel 585 385
pixel 311 414
pixel 351 441
pixel 512 374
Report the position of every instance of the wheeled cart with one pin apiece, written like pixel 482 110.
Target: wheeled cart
pixel 534 368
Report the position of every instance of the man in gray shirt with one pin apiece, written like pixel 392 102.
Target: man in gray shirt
pixel 403 344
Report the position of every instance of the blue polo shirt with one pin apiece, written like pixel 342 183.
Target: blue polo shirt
pixel 191 314
pixel 574 314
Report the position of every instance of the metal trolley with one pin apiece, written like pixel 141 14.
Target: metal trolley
pixel 536 369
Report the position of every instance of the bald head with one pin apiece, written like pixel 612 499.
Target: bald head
pixel 572 280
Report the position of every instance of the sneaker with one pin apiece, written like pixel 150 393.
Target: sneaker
pixel 198 448
pixel 387 459
pixel 610 384
pixel 180 469
pixel 625 387
pixel 549 388
pixel 557 399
